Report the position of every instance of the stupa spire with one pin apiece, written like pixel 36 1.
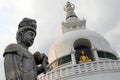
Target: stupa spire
pixel 69 8
pixel 72 22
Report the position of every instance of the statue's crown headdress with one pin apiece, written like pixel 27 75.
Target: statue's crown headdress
pixel 28 24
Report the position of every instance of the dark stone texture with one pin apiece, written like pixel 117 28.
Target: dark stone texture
pixel 19 63
pixel 41 59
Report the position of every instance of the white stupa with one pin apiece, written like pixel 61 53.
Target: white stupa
pixel 81 54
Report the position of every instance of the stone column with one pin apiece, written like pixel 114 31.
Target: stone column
pixel 94 50
pixel 73 57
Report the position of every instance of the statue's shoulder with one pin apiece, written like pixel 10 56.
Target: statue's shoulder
pixel 12 48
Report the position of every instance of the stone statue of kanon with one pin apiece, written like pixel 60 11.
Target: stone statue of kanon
pixel 19 63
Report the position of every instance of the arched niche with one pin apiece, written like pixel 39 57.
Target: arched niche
pixel 82 44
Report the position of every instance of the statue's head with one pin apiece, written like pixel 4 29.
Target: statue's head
pixel 26 31
pixel 38 57
pixel 82 53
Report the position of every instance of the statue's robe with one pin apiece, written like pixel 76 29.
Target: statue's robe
pixel 19 63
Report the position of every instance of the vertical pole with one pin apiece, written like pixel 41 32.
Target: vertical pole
pixel 94 50
pixel 73 57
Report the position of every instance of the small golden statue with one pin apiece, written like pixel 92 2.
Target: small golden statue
pixel 83 57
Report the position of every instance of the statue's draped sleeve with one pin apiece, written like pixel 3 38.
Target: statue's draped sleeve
pixel 10 62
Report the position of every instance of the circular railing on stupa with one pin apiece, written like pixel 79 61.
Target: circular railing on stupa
pixel 82 69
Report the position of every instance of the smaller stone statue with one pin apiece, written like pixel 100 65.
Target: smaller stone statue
pixel 69 8
pixel 83 57
pixel 41 59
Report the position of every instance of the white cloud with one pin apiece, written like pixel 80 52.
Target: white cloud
pixel 113 37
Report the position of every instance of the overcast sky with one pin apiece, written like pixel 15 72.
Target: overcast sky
pixel 103 16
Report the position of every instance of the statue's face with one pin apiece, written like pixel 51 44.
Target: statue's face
pixel 82 53
pixel 28 38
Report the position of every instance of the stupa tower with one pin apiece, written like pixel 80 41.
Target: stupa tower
pixel 81 54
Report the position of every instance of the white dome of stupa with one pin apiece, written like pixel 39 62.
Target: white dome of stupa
pixel 66 43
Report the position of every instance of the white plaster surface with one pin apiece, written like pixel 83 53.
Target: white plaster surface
pixel 64 44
